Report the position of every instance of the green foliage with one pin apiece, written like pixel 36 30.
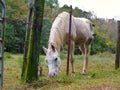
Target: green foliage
pixel 52 3
pixel 94 73
pixel 105 39
pixel 76 12
pixel 45 33
pixel 98 44
pixel 68 79
pixel 14 38
pixel 15 33
pixel 63 55
pixel 16 9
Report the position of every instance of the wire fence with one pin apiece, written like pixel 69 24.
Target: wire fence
pixel 23 22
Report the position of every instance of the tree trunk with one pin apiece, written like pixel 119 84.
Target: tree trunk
pixel 30 65
pixel 28 28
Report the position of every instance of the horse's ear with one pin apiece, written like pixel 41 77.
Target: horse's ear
pixel 53 47
pixel 44 49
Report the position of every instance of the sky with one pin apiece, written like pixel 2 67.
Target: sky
pixel 102 8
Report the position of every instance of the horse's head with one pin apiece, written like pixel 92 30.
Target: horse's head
pixel 53 61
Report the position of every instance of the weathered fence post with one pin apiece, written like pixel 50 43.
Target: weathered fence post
pixel 2 29
pixel 117 61
pixel 69 37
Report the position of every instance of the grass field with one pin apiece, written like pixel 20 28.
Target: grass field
pixel 101 75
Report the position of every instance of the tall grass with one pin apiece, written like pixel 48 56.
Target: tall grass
pixel 7 56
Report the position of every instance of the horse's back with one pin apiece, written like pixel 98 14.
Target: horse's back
pixel 80 28
pixel 84 31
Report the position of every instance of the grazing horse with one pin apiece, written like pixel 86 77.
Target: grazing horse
pixel 81 34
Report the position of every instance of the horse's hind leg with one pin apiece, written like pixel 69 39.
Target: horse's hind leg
pixel 85 50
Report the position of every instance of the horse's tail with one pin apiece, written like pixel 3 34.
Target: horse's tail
pixel 92 29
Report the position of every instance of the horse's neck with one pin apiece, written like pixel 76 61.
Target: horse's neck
pixel 55 40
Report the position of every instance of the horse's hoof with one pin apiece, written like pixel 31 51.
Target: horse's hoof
pixel 73 75
pixel 84 72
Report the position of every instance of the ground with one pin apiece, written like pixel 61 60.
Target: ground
pixel 101 74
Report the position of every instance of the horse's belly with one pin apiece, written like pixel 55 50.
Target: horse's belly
pixel 80 41
pixel 80 38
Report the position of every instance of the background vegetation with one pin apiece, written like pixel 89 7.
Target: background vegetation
pixel 15 32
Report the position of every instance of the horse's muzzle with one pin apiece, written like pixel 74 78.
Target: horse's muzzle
pixel 54 74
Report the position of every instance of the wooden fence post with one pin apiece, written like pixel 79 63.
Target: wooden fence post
pixel 117 61
pixel 2 29
pixel 69 37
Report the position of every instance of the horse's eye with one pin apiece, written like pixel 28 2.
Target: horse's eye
pixel 56 59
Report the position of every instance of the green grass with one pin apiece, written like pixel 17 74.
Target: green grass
pixel 101 74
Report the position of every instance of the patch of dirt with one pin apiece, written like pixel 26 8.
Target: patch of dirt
pixel 36 85
pixel 105 87
pixel 41 84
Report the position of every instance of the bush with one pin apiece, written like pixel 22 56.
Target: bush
pixel 102 43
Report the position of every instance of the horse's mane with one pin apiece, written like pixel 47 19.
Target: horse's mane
pixel 57 32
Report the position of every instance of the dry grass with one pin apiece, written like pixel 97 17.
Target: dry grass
pixel 101 75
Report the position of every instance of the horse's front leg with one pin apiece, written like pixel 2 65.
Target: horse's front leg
pixel 72 56
pixel 86 57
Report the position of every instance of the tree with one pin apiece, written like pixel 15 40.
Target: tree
pixel 105 39
pixel 52 3
pixel 15 33
pixel 31 69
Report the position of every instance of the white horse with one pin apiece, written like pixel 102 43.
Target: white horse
pixel 81 34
